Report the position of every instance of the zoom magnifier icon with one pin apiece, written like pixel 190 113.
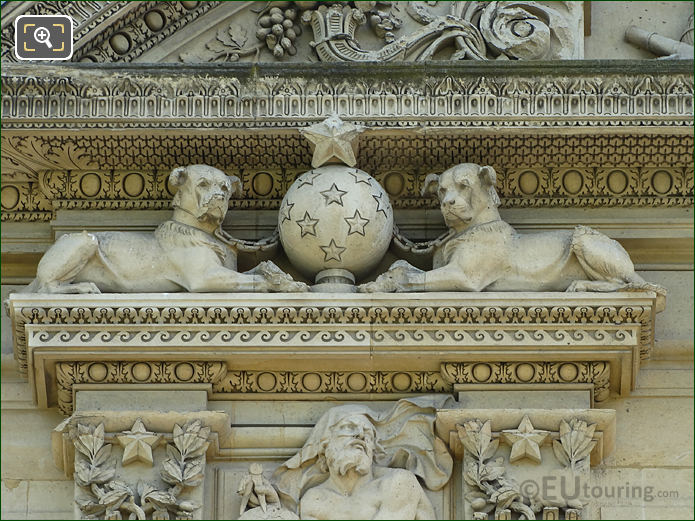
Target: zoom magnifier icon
pixel 43 35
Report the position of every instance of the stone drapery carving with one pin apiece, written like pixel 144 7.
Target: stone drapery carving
pixel 483 252
pixel 188 252
pixel 358 463
pixel 104 494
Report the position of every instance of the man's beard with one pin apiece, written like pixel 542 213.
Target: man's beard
pixel 351 458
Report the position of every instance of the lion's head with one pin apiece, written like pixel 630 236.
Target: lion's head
pixel 466 194
pixel 203 191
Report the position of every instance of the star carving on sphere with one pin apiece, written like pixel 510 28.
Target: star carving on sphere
pixel 380 206
pixel 332 251
pixel 360 178
pixel 308 179
pixel 333 195
pixel 356 223
pixel 334 141
pixel 308 225
pixel 285 212
pixel 525 441
pixel 138 443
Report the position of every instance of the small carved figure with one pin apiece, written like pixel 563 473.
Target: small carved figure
pixel 351 467
pixel 484 253
pixel 255 490
pixel 186 253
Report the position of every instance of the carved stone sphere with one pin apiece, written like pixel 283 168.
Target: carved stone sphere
pixel 335 217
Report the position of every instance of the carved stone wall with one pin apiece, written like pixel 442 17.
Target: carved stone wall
pixel 108 400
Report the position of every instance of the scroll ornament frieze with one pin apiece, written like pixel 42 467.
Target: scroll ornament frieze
pixel 317 319
pixel 66 98
pixel 109 489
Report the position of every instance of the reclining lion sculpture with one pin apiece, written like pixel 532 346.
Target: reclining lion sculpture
pixel 483 253
pixel 189 252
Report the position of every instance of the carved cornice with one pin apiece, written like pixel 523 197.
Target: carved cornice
pixel 564 135
pixel 520 95
pixel 69 374
pixel 227 384
pixel 292 343
pixel 596 373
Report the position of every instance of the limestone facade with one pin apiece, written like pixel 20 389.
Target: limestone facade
pixel 406 260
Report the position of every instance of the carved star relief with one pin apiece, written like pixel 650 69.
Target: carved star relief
pixel 332 251
pixel 138 443
pixel 333 195
pixel 308 179
pixel 308 225
pixel 525 441
pixel 380 206
pixel 286 212
pixel 360 178
pixel 356 223
pixel 334 141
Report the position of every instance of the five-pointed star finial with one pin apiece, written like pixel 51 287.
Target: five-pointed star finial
pixel 332 251
pixel 333 195
pixel 525 441
pixel 334 141
pixel 138 443
pixel 356 223
pixel 308 225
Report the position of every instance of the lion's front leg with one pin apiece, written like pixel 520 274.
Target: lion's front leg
pixel 403 277
pixel 274 279
pixel 400 277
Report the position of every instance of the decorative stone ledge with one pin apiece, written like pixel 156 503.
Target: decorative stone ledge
pixel 260 344
pixel 560 94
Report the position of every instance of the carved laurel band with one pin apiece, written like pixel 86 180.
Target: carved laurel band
pixel 227 382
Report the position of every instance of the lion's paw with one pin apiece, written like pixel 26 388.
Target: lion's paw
pixel 378 286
